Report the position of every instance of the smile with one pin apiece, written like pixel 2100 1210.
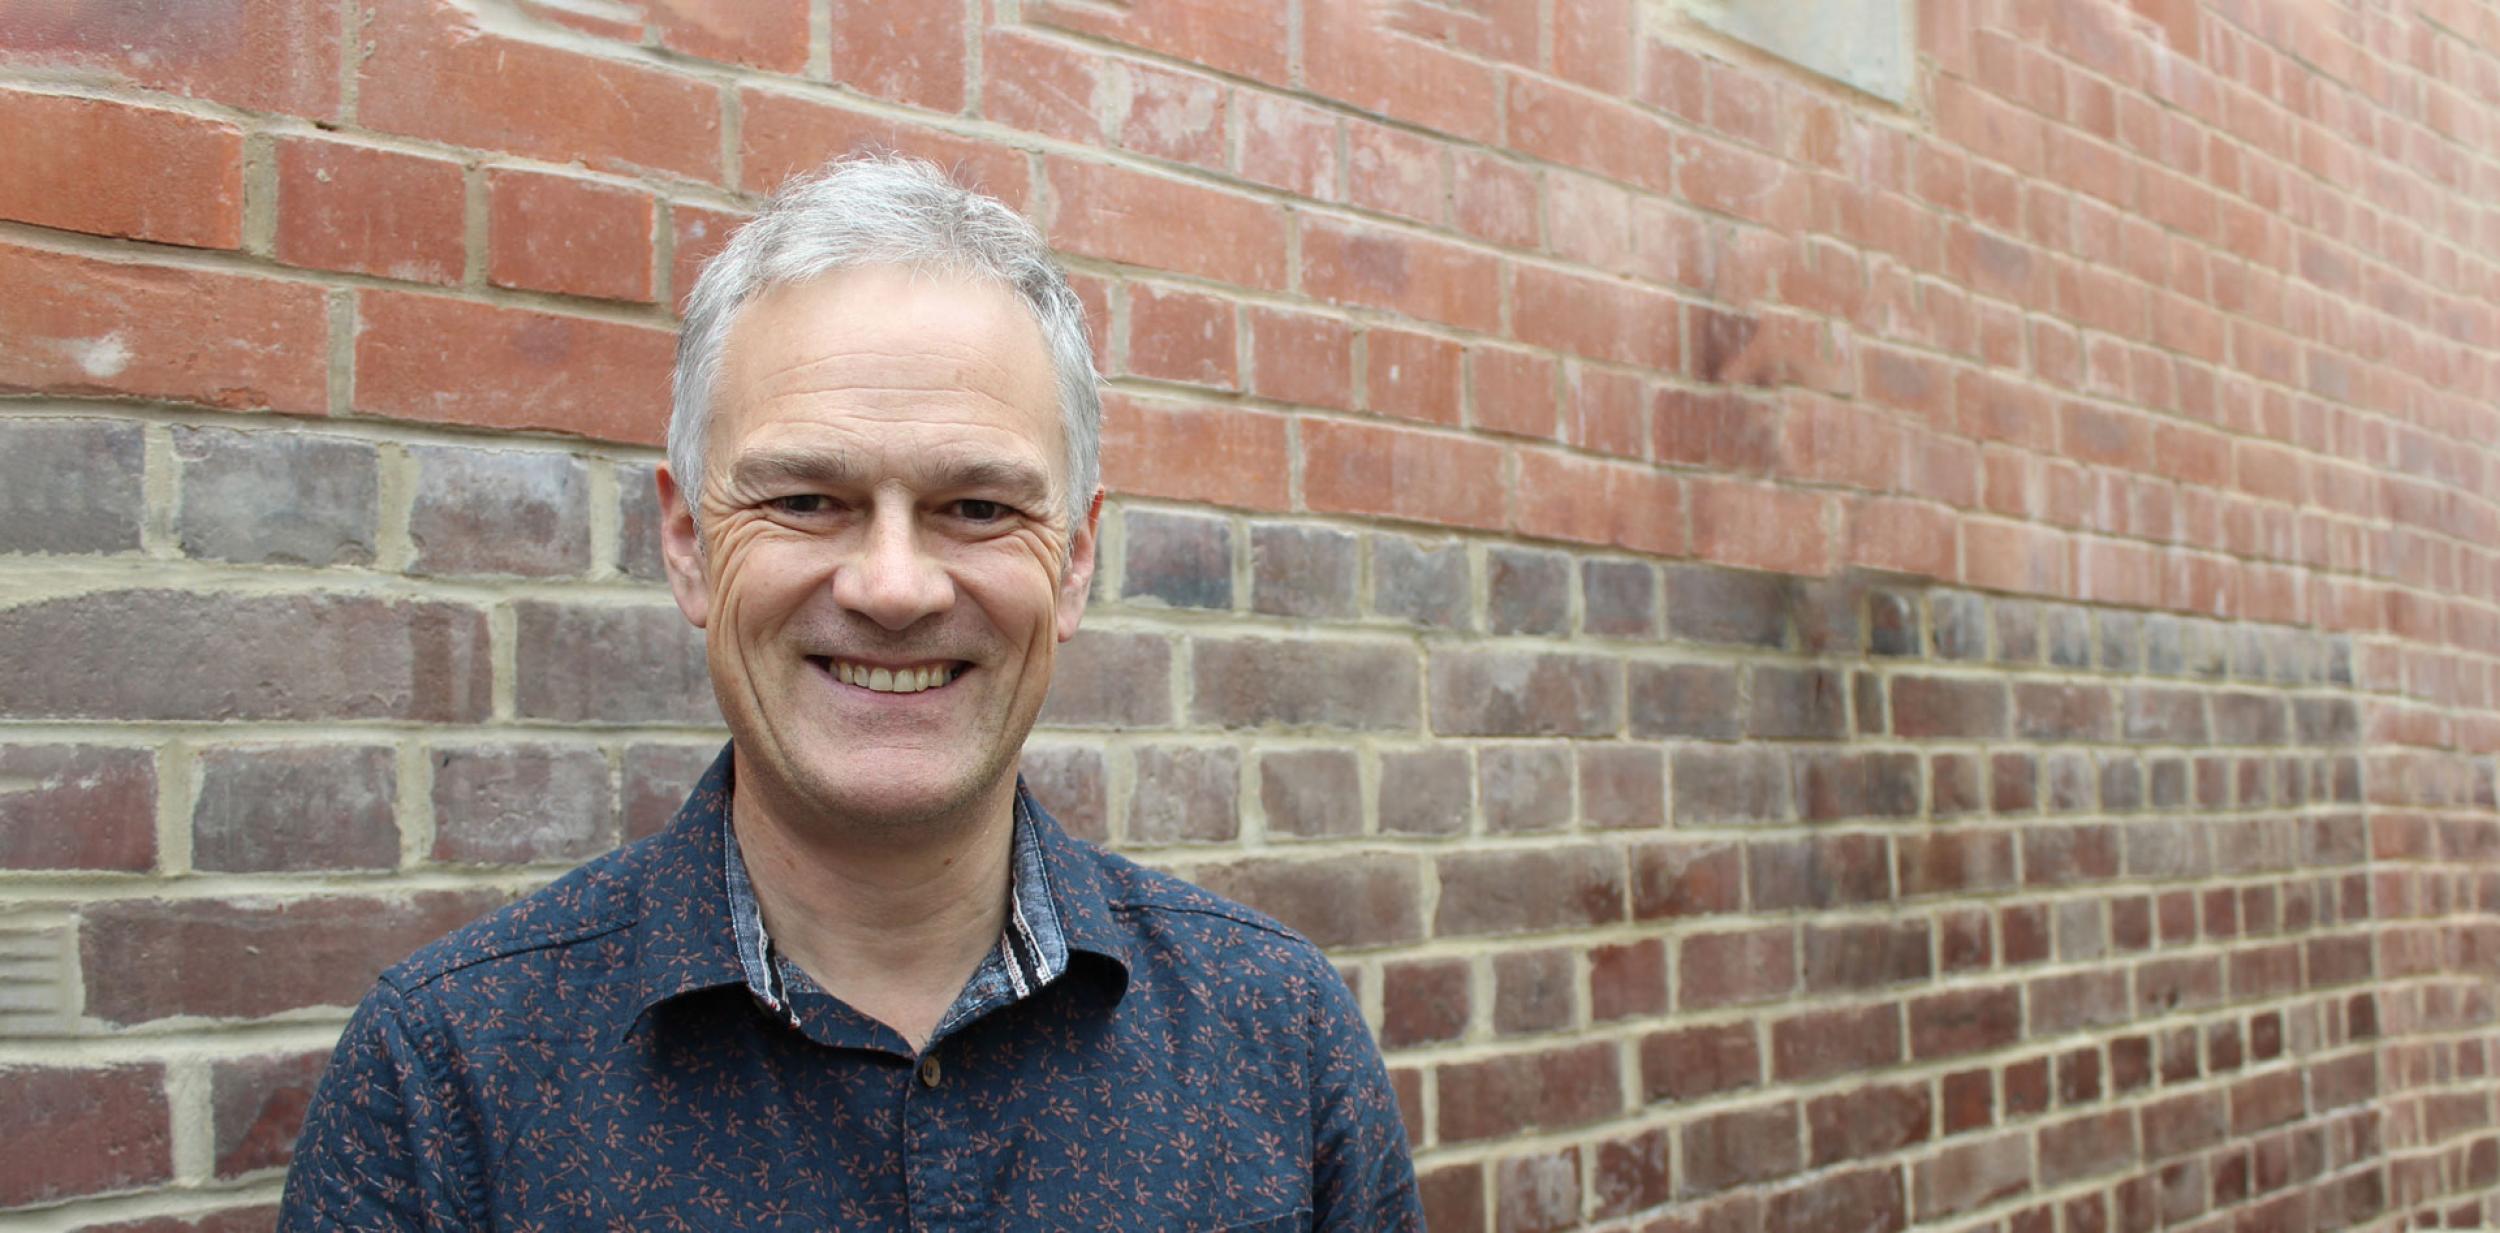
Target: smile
pixel 909 680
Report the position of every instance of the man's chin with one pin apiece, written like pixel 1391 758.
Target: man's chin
pixel 868 795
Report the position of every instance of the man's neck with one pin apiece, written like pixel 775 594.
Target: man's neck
pixel 893 928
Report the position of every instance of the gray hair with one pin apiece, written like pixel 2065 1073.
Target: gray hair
pixel 883 209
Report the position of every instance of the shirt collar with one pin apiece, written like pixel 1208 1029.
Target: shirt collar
pixel 703 927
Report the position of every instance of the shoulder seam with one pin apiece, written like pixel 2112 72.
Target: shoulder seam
pixel 582 932
pixel 1275 927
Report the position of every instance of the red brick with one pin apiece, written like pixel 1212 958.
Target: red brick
pixel 1627 980
pixel 1599 318
pixel 1301 358
pixel 260 55
pixel 257 1108
pixel 1739 182
pixel 1911 537
pixel 150 959
pixel 102 1128
pixel 1400 473
pixel 1177 116
pixel 1874 1120
pixel 1224 455
pixel 369 211
pixel 1181 336
pixel 1288 144
pixel 458 362
pixel 1453 1197
pixel 1401 272
pixel 1689 1063
pixel 1538 1193
pixel 1578 129
pixel 1137 219
pixel 1413 376
pixel 83 326
pixel 1374 899
pixel 697 235
pixel 1867 1200
pixel 1735 967
pixel 1346 58
pixel 1592 45
pixel 429 72
pixel 1964 1021
pixel 1551 1090
pixel 1632 1174
pixel 781 136
pixel 1761 527
pixel 1680 879
pixel 1423 1001
pixel 1620 504
pixel 1512 391
pixel 568 235
pixel 911 53
pixel 1493 199
pixel 1233 36
pixel 1533 991
pixel 1716 430
pixel 77 807
pixel 1396 172
pixel 1602 411
pixel 111 169
pixel 1043 85
pixel 1820 1044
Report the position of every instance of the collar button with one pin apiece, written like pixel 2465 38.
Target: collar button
pixel 929 1071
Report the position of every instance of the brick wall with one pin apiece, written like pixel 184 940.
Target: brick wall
pixel 1821 664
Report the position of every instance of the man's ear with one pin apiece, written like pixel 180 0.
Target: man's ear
pixel 1078 581
pixel 681 550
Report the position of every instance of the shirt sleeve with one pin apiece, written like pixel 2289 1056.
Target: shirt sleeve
pixel 375 1154
pixel 1363 1180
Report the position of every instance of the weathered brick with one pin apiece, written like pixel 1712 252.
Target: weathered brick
pixel 1555 1089
pixel 1710 604
pixel 149 959
pixel 452 361
pixel 1524 787
pixel 1183 560
pixel 1529 890
pixel 1623 787
pixel 83 326
pixel 276 807
pixel 1302 571
pixel 1105 678
pixel 1964 1021
pixel 519 804
pixel 1797 703
pixel 1177 335
pixel 1353 900
pixel 569 235
pixel 1735 967
pixel 1741 1147
pixel 77 807
pixel 601 664
pixel 481 511
pixel 104 1128
pixel 638 524
pixel 227 513
pixel 1185 794
pixel 1680 878
pixel 1632 1174
pixel 1425 792
pixel 1819 1044
pixel 256 1109
pixel 278 55
pixel 1518 693
pixel 1823 871
pixel 1619 599
pixel 1425 583
pixel 1627 980
pixel 1734 785
pixel 1874 1120
pixel 365 210
pixel 1253 682
pixel 2060 712
pixel 164 655
pixel 1682 700
pixel 1867 956
pixel 1311 793
pixel 2249 719
pixel 71 486
pixel 658 778
pixel 1527 591
pixel 109 168
pixel 1930 706
pixel 1967 1175
pixel 1533 991
pixel 1693 1062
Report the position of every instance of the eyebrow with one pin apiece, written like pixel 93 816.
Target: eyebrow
pixel 764 467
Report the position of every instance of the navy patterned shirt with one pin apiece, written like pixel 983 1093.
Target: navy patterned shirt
pixel 624 1049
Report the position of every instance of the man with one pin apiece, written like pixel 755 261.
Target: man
pixel 864 982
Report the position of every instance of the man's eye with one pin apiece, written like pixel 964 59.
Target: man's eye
pixel 803 503
pixel 980 511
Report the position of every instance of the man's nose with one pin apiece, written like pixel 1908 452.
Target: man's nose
pixel 892 579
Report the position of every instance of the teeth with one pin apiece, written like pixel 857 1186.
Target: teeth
pixel 891 680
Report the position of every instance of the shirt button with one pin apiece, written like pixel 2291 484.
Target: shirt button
pixel 929 1071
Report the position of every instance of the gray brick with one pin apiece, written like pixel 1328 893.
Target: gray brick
pixel 1683 700
pixel 521 804
pixel 657 780
pixel 1524 787
pixel 1300 571
pixel 2068 633
pixel 1619 599
pixel 2122 641
pixel 70 486
pixel 1424 792
pixel 1707 603
pixel 584 663
pixel 1426 584
pixel 1184 560
pixel 295 807
pixel 276 498
pixel 1519 693
pixel 1304 682
pixel 1798 703
pixel 1110 679
pixel 1892 625
pixel 485 511
pixel 1186 794
pixel 1527 591
pixel 1311 793
pixel 638 523
pixel 1961 624
pixel 186 655
pixel 1070 782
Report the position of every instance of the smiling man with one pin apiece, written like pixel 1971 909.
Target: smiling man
pixel 863 981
